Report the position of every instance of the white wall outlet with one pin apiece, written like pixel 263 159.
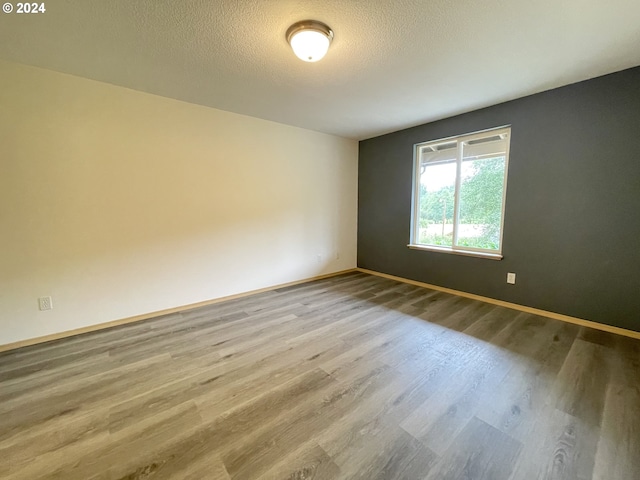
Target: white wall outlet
pixel 511 278
pixel 319 258
pixel 45 303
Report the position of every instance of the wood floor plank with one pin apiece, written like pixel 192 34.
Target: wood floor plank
pixel 480 452
pixel 521 398
pixel 581 385
pixel 353 376
pixel 396 455
pixel 261 451
pixel 561 448
pixel 372 441
pixel 18 451
pixel 439 420
pixel 618 453
pixel 125 453
pixel 307 463
pixel 241 423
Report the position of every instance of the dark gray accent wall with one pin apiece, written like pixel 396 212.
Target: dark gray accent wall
pixel 572 218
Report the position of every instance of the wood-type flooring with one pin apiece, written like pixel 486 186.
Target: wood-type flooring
pixel 353 376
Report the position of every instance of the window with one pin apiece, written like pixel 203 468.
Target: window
pixel 458 193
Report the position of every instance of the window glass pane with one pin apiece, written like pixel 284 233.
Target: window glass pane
pixel 481 193
pixel 436 197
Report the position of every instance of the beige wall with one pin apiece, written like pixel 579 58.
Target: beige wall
pixel 118 203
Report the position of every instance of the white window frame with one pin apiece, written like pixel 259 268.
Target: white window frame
pixel 415 205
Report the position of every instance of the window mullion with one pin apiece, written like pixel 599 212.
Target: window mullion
pixel 456 193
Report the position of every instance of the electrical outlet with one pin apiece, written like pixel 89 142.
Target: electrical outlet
pixel 45 303
pixel 511 278
pixel 319 258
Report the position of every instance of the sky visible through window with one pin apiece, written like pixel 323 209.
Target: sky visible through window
pixel 438 176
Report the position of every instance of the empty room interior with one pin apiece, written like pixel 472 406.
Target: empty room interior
pixel 274 239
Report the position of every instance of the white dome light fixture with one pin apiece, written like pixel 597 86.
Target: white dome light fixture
pixel 309 39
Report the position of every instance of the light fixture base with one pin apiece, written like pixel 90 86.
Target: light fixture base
pixel 309 25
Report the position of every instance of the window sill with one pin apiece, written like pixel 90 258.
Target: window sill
pixel 467 253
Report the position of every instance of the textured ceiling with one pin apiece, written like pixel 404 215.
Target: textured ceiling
pixel 392 63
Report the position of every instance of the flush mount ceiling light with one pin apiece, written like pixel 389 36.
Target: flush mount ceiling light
pixel 309 39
